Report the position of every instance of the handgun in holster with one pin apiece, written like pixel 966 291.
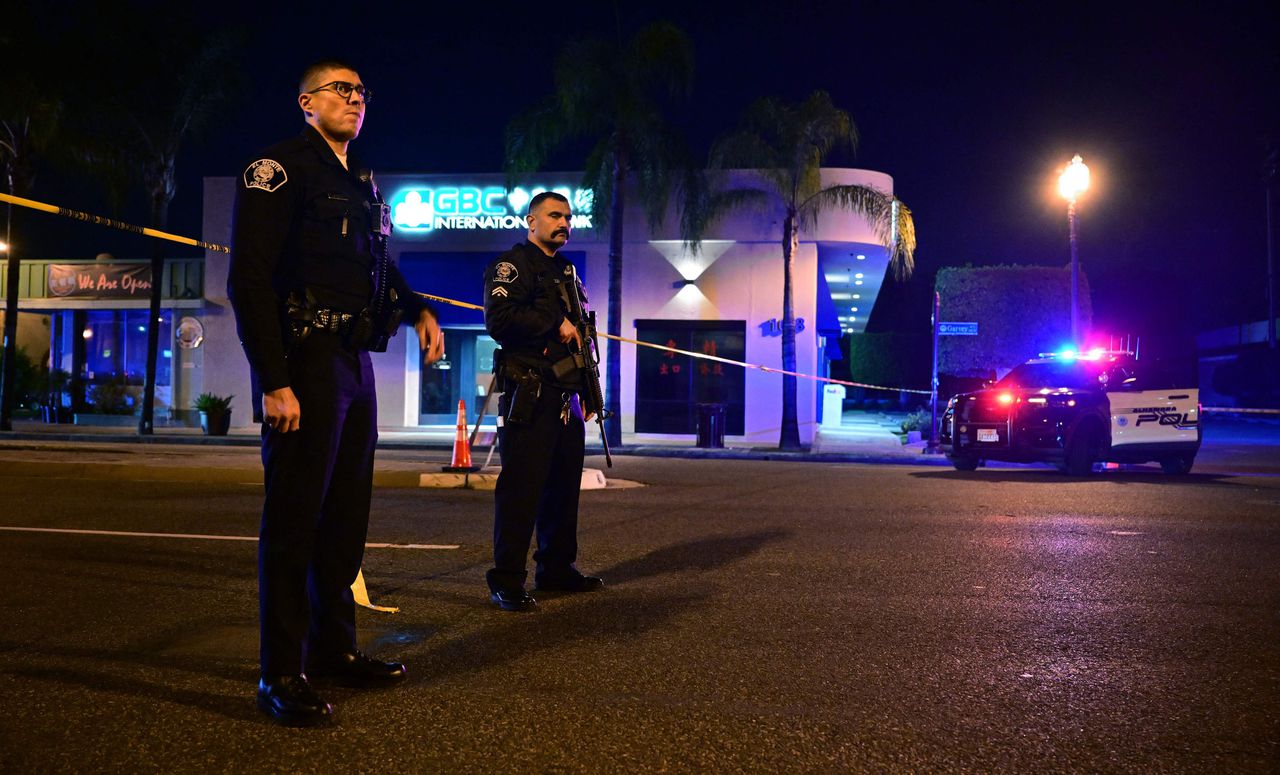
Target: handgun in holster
pixel 372 331
pixel 299 308
pixel 524 385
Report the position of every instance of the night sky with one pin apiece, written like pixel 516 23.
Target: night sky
pixel 972 108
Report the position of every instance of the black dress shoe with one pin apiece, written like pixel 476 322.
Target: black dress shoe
pixel 513 600
pixel 354 668
pixel 575 583
pixel 290 700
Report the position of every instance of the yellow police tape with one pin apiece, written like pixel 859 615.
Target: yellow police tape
pixel 103 221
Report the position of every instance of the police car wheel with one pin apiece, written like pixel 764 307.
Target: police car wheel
pixel 1177 465
pixel 965 463
pixel 1081 451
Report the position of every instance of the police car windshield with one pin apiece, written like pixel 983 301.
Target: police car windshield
pixel 1053 374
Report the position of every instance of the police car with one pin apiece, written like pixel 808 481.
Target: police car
pixel 1075 410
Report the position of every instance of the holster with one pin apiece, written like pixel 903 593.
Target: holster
pixel 299 314
pixel 368 333
pixel 524 384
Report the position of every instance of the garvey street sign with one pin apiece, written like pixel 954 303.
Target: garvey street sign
pixel 957 329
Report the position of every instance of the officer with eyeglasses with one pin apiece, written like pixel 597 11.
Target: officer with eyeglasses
pixel 313 293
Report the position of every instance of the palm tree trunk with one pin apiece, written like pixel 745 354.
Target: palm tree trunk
pixel 613 349
pixel 790 437
pixel 7 370
pixel 159 220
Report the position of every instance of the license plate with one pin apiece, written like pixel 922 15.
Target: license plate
pixel 988 434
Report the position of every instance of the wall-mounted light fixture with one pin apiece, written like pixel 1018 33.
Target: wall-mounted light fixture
pixel 682 283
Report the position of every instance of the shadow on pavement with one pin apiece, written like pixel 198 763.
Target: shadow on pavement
pixel 239 706
pixel 597 617
pixel 701 555
pixel 559 623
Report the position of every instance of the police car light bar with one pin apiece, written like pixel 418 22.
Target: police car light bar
pixel 1097 353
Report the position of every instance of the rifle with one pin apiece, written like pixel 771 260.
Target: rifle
pixel 587 357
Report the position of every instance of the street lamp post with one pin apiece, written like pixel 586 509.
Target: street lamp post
pixel 1073 182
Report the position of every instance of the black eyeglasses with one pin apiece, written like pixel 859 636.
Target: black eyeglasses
pixel 344 89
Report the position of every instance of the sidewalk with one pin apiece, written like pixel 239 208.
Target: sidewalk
pixel 404 453
pixel 864 437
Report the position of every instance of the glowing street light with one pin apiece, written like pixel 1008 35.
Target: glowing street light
pixel 1073 182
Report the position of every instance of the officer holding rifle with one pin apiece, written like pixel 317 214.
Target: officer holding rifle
pixel 540 413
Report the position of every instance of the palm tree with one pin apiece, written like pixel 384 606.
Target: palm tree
pixel 784 146
pixel 30 111
pixel 613 94
pixel 164 93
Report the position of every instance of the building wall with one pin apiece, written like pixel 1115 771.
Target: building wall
pixel 738 275
pixel 226 371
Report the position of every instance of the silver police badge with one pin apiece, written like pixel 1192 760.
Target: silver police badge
pixel 505 272
pixel 266 174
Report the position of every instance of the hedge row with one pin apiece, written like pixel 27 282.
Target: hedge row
pixel 1021 311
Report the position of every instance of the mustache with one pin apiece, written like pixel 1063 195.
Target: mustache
pixel 565 232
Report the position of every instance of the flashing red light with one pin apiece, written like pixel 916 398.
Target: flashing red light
pixel 1006 398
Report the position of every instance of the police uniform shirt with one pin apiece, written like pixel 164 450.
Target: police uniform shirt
pixel 522 308
pixel 302 220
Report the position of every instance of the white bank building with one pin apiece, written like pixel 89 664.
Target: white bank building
pixel 725 300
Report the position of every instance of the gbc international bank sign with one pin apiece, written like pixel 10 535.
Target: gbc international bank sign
pixel 425 209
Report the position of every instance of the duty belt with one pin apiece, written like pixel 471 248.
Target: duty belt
pixel 332 320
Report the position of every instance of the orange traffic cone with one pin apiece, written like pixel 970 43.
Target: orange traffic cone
pixel 461 462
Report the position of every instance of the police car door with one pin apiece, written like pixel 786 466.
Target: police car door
pixel 1148 408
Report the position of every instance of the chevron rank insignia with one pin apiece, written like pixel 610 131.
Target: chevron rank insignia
pixel 499 290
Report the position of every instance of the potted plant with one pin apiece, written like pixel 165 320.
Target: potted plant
pixel 215 413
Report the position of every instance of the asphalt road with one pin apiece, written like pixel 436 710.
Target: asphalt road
pixel 759 617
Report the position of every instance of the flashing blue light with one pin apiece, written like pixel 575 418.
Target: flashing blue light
pixel 1067 354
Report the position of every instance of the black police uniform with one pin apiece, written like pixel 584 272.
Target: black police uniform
pixel 304 226
pixel 541 458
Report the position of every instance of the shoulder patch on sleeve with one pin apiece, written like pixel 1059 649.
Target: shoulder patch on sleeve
pixel 505 272
pixel 266 174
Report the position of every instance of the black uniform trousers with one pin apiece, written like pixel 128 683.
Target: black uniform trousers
pixel 538 489
pixel 319 482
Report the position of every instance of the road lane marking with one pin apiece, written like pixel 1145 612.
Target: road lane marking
pixel 130 534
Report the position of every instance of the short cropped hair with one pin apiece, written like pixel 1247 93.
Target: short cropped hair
pixel 544 196
pixel 315 69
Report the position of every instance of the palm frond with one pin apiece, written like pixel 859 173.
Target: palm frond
pixel 530 138
pixel 586 86
pixel 598 176
pixel 705 203
pixel 890 218
pixel 659 59
pixel 902 255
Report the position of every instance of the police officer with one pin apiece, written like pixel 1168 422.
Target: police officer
pixel 313 293
pixel 540 420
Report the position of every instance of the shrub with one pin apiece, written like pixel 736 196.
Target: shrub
pixel 917 421
pixel 114 396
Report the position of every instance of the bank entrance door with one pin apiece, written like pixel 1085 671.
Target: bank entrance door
pixel 463 374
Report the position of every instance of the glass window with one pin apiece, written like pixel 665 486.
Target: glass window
pixel 462 375
pixel 669 386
